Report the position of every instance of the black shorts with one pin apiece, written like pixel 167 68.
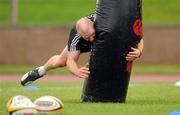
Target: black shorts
pixel 76 42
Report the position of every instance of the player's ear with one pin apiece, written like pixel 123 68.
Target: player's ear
pixel 78 24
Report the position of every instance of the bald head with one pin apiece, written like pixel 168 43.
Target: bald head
pixel 85 27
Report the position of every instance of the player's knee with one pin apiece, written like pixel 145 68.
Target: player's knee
pixel 62 61
pixel 59 61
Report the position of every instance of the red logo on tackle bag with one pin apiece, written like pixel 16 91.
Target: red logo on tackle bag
pixel 129 66
pixel 137 27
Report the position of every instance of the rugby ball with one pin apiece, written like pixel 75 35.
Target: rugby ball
pixel 21 105
pixel 177 83
pixel 49 104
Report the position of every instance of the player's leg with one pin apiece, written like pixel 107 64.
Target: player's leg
pixel 54 62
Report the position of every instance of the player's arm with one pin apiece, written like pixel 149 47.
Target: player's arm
pixel 141 45
pixel 136 52
pixel 72 59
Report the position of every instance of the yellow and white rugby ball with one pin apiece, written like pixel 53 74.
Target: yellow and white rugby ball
pixel 49 104
pixel 21 105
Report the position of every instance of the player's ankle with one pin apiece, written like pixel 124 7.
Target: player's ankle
pixel 42 71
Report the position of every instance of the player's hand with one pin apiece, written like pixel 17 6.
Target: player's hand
pixel 134 54
pixel 83 72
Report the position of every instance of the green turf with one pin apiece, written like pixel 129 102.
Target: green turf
pixel 142 99
pixel 7 69
pixel 47 12
pixel 156 69
pixel 55 12
pixel 161 12
pixel 137 69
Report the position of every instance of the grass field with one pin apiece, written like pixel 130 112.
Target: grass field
pixel 142 99
pixel 137 69
pixel 63 12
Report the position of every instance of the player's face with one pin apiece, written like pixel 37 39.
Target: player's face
pixel 89 36
pixel 85 27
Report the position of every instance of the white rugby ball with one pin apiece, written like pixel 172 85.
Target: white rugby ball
pixel 20 105
pixel 25 112
pixel 177 83
pixel 49 104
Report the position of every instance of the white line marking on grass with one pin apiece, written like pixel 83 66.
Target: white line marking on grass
pixel 42 89
pixel 135 84
pixel 63 88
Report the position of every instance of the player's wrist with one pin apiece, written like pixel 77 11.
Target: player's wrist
pixel 140 53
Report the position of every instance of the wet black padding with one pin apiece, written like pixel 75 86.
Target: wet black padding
pixel 118 28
